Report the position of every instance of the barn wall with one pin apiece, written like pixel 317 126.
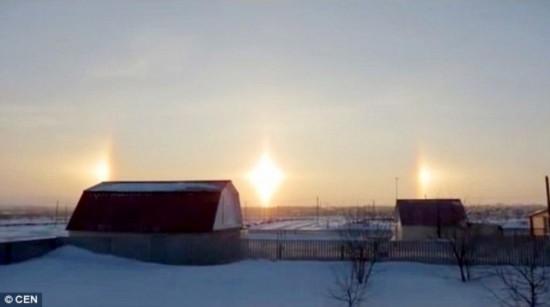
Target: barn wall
pixel 228 215
pixel 206 248
pixel 538 224
pixel 412 233
pixel 213 248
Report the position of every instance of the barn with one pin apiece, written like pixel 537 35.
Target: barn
pixel 174 222
pixel 424 219
pixel 539 223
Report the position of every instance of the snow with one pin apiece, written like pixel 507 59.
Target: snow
pixel 22 231
pixel 307 223
pixel 70 276
pixel 516 224
pixel 327 228
pixel 26 221
pixel 176 186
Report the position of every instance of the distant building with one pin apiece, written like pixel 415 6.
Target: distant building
pixel 177 222
pixel 516 227
pixel 538 223
pixel 425 219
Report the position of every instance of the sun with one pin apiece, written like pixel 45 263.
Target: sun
pixel 265 177
pixel 424 176
pixel 102 171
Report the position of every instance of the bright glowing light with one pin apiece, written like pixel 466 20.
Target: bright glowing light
pixel 265 177
pixel 424 176
pixel 102 171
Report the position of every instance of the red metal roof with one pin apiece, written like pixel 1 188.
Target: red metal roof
pixel 431 212
pixel 147 207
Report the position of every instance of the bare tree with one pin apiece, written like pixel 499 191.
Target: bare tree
pixel 466 243
pixel 361 239
pixel 347 288
pixel 463 244
pixel 526 281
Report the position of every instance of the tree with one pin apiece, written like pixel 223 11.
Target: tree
pixel 361 239
pixel 526 281
pixel 463 243
pixel 347 288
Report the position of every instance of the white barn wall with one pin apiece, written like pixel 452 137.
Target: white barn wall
pixel 228 215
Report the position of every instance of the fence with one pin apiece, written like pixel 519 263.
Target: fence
pixel 494 251
pixel 18 251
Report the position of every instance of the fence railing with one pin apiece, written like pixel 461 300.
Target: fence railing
pixel 491 251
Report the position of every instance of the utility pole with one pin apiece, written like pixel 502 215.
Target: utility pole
pixel 547 194
pixel 56 212
pixel 317 210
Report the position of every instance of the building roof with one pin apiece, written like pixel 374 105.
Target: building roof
pixel 159 186
pixel 431 212
pixel 539 212
pixel 149 207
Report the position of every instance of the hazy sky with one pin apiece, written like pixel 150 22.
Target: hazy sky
pixel 343 95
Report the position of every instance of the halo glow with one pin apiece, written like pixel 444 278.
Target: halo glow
pixel 424 176
pixel 102 171
pixel 265 177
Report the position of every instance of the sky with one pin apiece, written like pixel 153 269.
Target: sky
pixel 451 98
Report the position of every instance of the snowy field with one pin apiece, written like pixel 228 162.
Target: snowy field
pixel 325 228
pixel 311 223
pixel 308 228
pixel 73 277
pixel 27 231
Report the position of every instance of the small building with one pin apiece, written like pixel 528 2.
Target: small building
pixel 516 227
pixel 538 223
pixel 426 219
pixel 174 222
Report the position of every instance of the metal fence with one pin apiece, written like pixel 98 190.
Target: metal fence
pixel 491 251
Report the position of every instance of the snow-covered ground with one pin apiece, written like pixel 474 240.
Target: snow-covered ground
pixel 325 228
pixel 26 221
pixel 312 223
pixel 30 231
pixel 308 228
pixel 73 277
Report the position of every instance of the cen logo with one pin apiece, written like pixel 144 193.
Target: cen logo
pixel 27 299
